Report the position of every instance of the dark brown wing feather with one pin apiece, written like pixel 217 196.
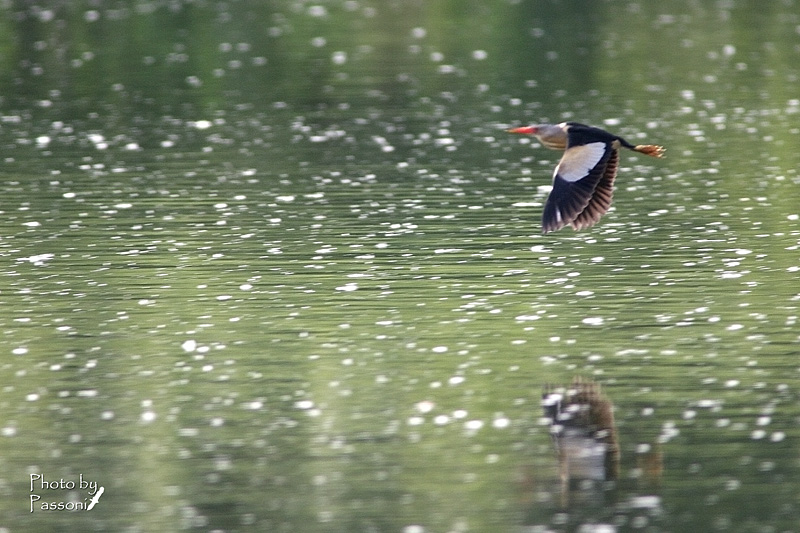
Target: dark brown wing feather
pixel 569 200
pixel 600 201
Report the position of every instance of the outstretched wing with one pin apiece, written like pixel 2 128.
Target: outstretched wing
pixel 601 199
pixel 582 186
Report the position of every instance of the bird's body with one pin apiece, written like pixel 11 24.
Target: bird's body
pixel 583 181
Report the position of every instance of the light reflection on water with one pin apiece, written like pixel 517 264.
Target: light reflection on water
pixel 307 329
pixel 308 316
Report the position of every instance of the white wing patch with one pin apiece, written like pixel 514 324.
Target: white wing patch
pixel 579 160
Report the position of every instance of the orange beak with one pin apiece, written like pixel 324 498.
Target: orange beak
pixel 525 130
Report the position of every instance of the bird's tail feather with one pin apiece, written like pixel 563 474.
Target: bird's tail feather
pixel 653 150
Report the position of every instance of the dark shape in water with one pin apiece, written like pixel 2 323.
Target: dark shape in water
pixel 583 181
pixel 582 426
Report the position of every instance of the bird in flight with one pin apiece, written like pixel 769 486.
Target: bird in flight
pixel 583 181
pixel 95 499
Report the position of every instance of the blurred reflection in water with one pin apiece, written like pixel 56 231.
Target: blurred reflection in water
pixel 581 422
pixel 591 489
